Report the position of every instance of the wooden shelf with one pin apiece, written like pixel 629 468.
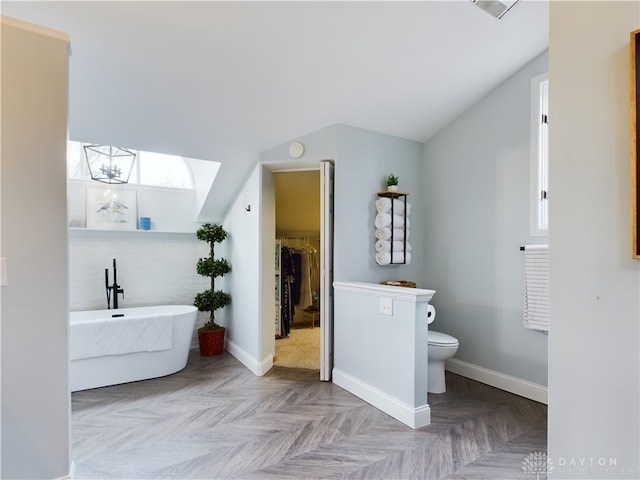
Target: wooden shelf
pixel 387 193
pixel 99 231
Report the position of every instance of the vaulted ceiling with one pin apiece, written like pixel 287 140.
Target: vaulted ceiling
pixel 224 81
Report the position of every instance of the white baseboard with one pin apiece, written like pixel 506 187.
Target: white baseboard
pixel 72 472
pixel 499 380
pixel 265 365
pixel 413 417
pixel 259 368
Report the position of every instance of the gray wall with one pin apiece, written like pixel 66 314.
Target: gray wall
pixel 362 159
pixel 34 304
pixel 476 189
pixel 244 252
pixel 594 341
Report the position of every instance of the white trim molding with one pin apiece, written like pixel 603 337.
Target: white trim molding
pixel 524 388
pixel 259 368
pixel 413 417
pixel 405 294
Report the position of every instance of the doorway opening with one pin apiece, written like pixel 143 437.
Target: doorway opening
pixel 303 217
pixel 297 326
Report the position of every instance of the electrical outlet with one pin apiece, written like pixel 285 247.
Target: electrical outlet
pixel 386 306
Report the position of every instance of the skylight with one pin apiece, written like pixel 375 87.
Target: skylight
pixel 151 169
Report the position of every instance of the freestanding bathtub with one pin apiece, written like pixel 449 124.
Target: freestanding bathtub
pixel 108 347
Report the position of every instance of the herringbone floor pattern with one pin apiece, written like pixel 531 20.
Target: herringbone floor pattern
pixel 215 419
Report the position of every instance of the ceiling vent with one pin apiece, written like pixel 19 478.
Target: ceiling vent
pixel 495 8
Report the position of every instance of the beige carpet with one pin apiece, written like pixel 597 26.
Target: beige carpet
pixel 300 350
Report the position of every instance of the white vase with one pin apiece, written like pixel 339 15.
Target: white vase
pixel 392 188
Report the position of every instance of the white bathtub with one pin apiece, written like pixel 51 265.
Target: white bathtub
pixel 169 327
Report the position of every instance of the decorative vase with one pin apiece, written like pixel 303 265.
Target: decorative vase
pixel 392 188
pixel 211 342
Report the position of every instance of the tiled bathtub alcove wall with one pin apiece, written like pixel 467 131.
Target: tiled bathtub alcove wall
pixel 153 267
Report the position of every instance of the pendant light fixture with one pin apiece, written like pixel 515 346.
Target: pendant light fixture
pixel 108 164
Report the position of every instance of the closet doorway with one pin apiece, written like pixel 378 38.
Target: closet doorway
pixel 303 228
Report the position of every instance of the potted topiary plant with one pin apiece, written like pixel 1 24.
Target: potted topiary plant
pixel 211 335
pixel 392 183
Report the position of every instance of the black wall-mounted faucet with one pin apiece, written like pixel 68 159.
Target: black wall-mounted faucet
pixel 115 288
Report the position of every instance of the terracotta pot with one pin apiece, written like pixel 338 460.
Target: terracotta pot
pixel 211 342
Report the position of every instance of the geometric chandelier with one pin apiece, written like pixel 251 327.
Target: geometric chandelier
pixel 109 164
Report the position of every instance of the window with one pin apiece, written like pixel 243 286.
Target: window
pixel 539 215
pixel 152 169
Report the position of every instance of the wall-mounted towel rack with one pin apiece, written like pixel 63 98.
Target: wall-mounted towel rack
pixel 395 257
pixel 536 287
pixel 533 247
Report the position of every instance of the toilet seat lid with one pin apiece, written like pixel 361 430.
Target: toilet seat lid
pixel 439 338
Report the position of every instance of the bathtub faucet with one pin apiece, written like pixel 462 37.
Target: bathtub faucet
pixel 115 288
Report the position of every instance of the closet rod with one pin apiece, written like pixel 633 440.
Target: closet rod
pixel 300 236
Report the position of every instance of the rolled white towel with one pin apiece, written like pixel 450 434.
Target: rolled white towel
pixel 398 246
pixel 384 258
pixel 386 220
pixel 385 233
pixel 383 205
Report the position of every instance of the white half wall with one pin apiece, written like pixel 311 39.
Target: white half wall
pixel 382 357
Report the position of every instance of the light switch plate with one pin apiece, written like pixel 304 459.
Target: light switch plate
pixel 386 306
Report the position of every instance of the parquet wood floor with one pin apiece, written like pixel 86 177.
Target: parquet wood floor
pixel 216 420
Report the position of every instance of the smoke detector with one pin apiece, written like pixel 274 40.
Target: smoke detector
pixel 495 8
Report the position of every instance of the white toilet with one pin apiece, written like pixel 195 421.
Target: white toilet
pixel 441 348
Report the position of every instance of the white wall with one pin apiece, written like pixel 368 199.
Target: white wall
pixel 153 268
pixel 34 304
pixel 594 340
pixel 476 184
pixel 170 210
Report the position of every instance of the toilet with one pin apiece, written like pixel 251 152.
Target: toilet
pixel 441 348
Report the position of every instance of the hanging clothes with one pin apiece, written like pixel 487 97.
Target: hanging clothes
pixel 286 302
pixel 297 277
pixel 305 281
